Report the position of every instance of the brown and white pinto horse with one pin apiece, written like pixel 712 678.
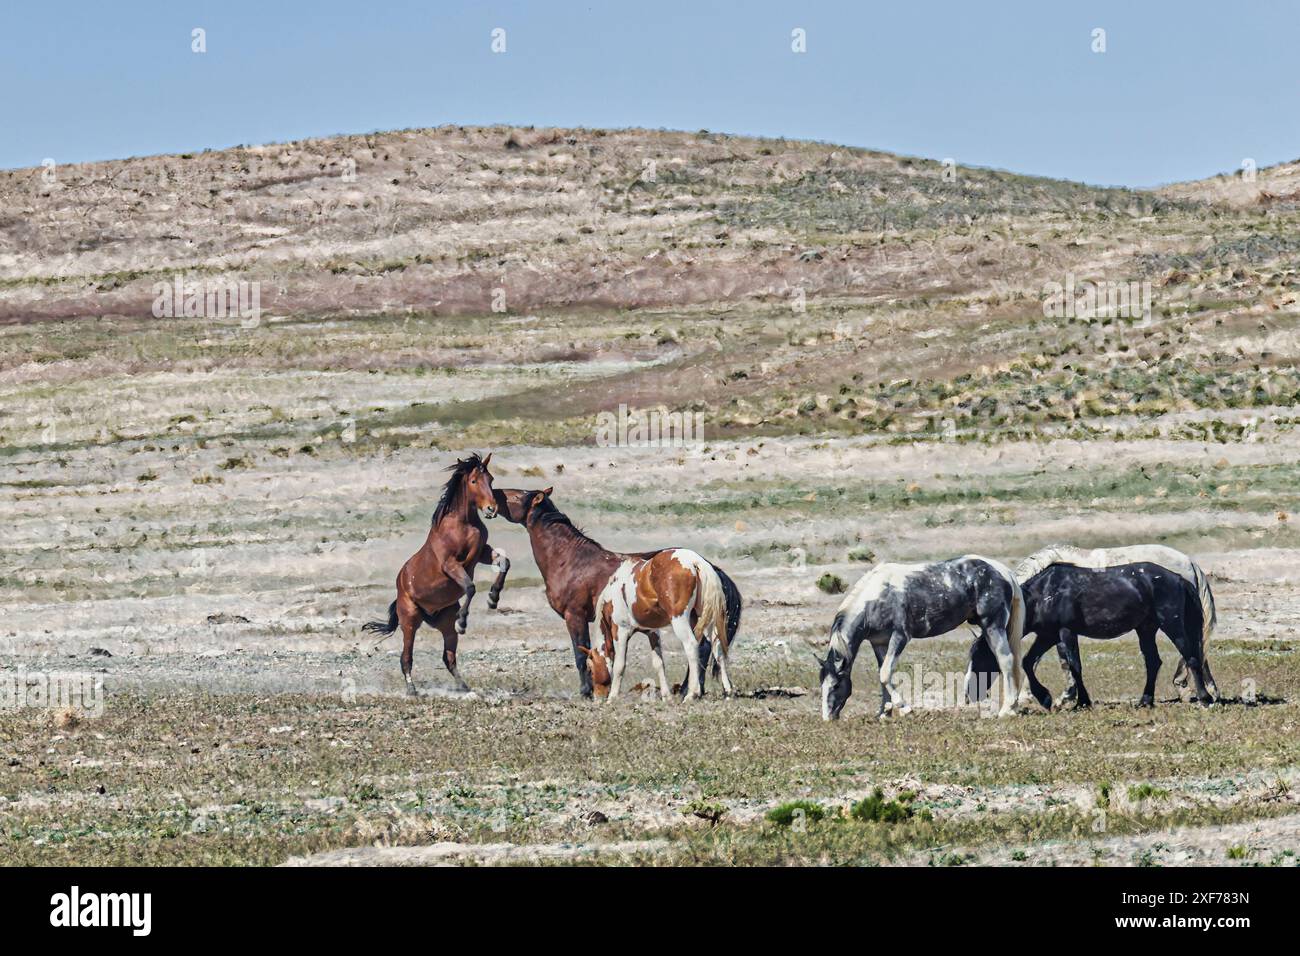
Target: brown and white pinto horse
pixel 676 589
pixel 432 582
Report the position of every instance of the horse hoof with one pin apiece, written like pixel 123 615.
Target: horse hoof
pixel 492 604
pixel 411 691
pixel 1147 701
pixel 460 627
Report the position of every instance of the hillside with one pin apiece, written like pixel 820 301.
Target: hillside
pixel 432 220
pixel 775 286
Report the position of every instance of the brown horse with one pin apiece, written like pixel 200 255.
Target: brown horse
pixel 432 581
pixel 576 569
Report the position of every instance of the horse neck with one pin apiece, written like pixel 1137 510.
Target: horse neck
pixel 559 545
pixel 460 513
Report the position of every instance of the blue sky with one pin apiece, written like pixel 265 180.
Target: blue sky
pixel 1184 90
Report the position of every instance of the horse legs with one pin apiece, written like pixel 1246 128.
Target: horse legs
pixel 657 658
pixel 896 704
pixel 691 647
pixel 1147 642
pixel 621 635
pixel 884 694
pixel 1041 645
pixel 720 656
pixel 1000 643
pixel 454 570
pixel 1189 646
pixel 409 616
pixel 1068 651
pixel 494 556
pixel 445 621
pixel 580 635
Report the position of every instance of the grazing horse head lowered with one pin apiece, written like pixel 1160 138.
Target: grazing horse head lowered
pixel 893 604
pixel 432 582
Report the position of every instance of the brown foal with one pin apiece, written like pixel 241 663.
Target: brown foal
pixel 432 582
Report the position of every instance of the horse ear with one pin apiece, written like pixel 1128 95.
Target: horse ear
pixel 546 492
pixel 486 460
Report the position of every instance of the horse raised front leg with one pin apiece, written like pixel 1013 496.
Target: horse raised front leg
pixel 494 557
pixel 454 570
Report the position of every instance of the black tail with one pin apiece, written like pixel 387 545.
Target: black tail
pixel 732 595
pixel 379 627
pixel 1194 616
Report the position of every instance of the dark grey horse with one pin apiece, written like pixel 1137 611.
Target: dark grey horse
pixel 1063 602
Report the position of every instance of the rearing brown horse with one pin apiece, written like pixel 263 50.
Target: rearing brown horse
pixel 432 581
pixel 576 569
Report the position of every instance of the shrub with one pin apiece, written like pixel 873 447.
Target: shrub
pixel 831 583
pixel 786 813
pixel 876 809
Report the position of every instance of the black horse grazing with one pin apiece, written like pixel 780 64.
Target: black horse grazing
pixel 1064 601
pixel 893 603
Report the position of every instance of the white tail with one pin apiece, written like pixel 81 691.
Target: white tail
pixel 1015 631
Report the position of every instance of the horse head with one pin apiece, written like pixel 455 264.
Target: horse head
pixel 478 487
pixel 516 504
pixel 600 676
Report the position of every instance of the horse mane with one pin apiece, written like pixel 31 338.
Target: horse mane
pixel 546 514
pixel 1163 555
pixel 1052 554
pixel 451 491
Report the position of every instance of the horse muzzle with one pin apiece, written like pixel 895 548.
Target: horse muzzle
pixel 490 511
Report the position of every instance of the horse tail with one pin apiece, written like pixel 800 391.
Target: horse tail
pixel 380 627
pixel 982 666
pixel 711 604
pixel 1203 616
pixel 1205 597
pixel 732 595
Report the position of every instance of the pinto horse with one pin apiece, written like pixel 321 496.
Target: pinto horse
pixel 576 569
pixel 676 589
pixel 432 582
pixel 1158 554
pixel 895 603
pixel 1064 601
